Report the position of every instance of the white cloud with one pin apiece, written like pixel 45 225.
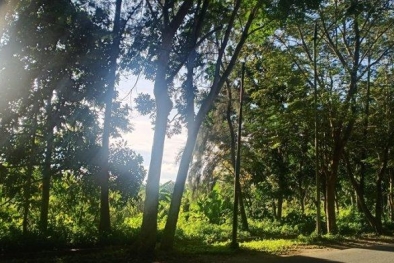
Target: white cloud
pixel 141 138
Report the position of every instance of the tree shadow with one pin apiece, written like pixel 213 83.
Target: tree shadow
pixel 362 243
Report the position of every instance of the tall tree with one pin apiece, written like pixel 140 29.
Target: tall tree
pixel 172 15
pixel 348 33
pixel 105 224
pixel 218 80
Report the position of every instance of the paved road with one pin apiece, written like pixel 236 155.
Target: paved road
pixel 375 254
pixel 371 254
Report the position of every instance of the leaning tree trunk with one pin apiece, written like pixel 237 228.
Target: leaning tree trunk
pixel 169 231
pixel 147 239
pixel 360 197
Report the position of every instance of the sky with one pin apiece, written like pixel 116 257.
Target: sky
pixel 140 139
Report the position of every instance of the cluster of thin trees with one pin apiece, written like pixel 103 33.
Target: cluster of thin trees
pixel 318 83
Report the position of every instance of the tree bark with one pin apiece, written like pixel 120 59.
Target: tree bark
pixel 147 239
pixel 29 172
pixel 331 181
pixel 148 234
pixel 330 206
pixel 105 223
pixel 244 219
pixel 360 197
pixel 391 194
pixel 279 208
pixel 46 171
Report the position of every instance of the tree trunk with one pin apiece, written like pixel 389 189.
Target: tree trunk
pixel 29 172
pixel 279 209
pixel 274 208
pixel 169 231
pixel 360 197
pixel 218 82
pixel 391 194
pixel 330 204
pixel 378 206
pixel 187 155
pixel 147 239
pixel 163 108
pixel 105 223
pixel 244 219
pixel 46 171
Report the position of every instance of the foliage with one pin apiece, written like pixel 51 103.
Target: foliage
pixel 58 68
pixel 352 222
pixel 214 207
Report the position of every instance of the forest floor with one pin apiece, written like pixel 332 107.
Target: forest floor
pixel 296 253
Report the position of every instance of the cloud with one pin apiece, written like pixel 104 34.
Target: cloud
pixel 141 138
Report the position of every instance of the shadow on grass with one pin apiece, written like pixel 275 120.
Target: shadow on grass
pixel 124 254
pixel 188 251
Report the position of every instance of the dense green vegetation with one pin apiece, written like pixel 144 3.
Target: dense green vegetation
pixel 312 155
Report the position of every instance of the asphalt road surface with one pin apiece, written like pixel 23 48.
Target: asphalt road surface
pixel 374 254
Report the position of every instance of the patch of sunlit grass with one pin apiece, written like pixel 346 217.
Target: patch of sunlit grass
pixel 274 246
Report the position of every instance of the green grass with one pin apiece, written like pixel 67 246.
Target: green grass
pixel 273 246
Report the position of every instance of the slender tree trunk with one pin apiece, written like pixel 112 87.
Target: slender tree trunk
pixel 148 234
pixel 316 133
pixel 330 206
pixel 29 172
pixel 301 191
pixel 26 205
pixel 46 172
pixel 302 203
pixel 169 230
pixel 280 208
pixel 244 219
pixel 331 181
pixel 360 197
pixel 379 206
pixel 274 209
pixel 379 180
pixel 391 194
pixel 105 224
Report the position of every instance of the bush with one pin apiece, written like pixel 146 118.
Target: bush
pixel 303 224
pixel 351 222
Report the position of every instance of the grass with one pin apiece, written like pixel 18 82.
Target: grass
pixel 187 250
pixel 273 246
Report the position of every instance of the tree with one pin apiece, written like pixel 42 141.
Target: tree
pixel 62 82
pixel 105 224
pixel 348 34
pixel 218 80
pixel 172 15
